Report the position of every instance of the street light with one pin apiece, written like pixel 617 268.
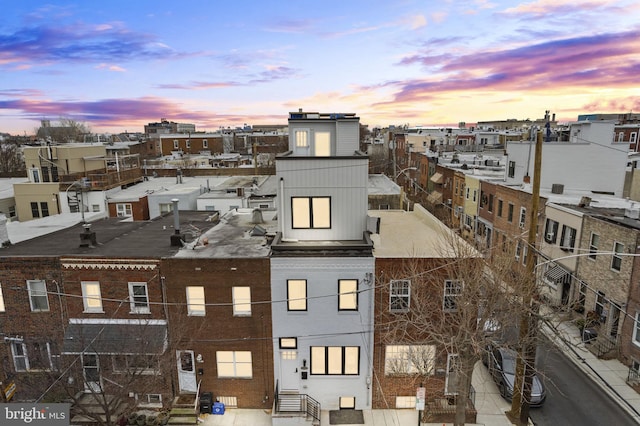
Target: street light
pixel 402 171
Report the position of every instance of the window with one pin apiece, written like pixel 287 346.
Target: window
pixel 616 258
pixel 176 144
pixel 288 343
pixel 500 208
pixel 91 296
pixel 518 250
pixel 297 295
pixel 40 357
pixel 593 245
pixel 452 290
pixel 139 298
pixel 568 239
pixel 335 360
pixel 510 213
pixel 195 301
pixel 234 364
pixel 512 169
pixel 490 205
pixel 636 330
pixel 322 144
pixel 302 138
pixel 347 402
pixel 1 300
pixel 241 301
pixel 44 208
pixel 551 231
pixel 399 295
pixel 38 295
pixel 205 143
pixel 409 359
pixel 621 137
pixel 123 210
pixel 633 137
pixel 95 208
pixel 523 217
pixel 311 212
pixel 468 190
pixel 347 295
pixel 35 212
pixel 405 402
pixel 188 143
pixel 475 195
pixel 601 300
pixel 19 353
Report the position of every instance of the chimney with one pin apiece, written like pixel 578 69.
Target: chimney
pixel 88 237
pixel 177 237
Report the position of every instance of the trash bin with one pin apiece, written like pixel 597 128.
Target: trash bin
pixel 218 408
pixel 589 334
pixel 206 402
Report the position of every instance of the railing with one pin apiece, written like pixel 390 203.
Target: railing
pixel 604 345
pixel 296 403
pixel 197 401
pixel 633 376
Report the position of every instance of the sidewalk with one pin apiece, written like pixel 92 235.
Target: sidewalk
pixel 609 375
pixel 489 404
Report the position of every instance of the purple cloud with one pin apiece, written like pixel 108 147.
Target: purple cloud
pixel 80 43
pixel 576 62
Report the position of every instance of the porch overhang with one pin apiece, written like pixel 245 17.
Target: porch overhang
pixel 121 339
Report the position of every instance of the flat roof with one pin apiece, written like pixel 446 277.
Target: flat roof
pixel 414 233
pixel 115 238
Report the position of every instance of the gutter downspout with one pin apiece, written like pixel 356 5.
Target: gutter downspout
pixel 281 218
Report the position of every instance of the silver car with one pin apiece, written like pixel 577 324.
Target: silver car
pixel 501 363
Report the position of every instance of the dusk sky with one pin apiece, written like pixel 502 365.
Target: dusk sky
pixel 117 65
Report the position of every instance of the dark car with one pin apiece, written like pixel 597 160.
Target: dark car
pixel 501 363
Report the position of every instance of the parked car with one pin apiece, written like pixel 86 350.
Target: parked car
pixel 501 363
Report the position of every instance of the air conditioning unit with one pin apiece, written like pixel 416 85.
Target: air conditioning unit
pixel 449 201
pixel 550 236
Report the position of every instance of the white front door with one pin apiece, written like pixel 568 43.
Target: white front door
pixel 91 373
pixel 289 371
pixel 186 371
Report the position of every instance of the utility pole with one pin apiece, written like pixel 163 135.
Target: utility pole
pixel 525 363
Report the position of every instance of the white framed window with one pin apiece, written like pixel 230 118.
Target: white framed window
pixel 468 191
pixel 405 402
pixel 475 195
pixel 234 364
pixel 1 300
pixel 297 295
pixel 523 217
pixel 154 398
pixel 620 136
pixel 594 241
pixel 124 210
pixel 311 212
pixel 139 298
pixel 616 257
pixel 347 295
pixel 636 330
pixel 409 359
pixel 91 298
pixel 188 143
pixel 512 169
pixel 335 360
pixel 176 144
pixel 195 301
pixel 19 354
pixel 95 208
pixel 399 295
pixel 568 238
pixel 205 143
pixel 452 291
pixel 241 301
pixel 38 298
pixel 518 252
pixel 302 138
pixel 633 137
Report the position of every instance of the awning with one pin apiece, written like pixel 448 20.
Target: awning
pixel 435 197
pixel 436 178
pixel 115 339
pixel 556 274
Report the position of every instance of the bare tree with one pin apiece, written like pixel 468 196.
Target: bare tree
pixel 67 130
pixel 10 158
pixel 459 303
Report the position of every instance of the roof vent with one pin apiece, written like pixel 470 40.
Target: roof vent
pixel 557 188
pixel 256 216
pixel 88 237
